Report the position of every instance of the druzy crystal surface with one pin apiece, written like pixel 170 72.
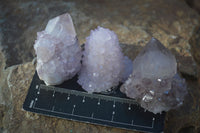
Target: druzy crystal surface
pixel 58 52
pixel 154 82
pixel 104 65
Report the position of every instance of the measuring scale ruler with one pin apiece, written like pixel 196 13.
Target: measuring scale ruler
pixel 70 101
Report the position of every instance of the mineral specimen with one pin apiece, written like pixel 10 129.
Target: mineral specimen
pixel 154 82
pixel 58 52
pixel 104 65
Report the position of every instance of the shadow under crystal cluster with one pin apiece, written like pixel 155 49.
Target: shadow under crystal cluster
pixel 154 82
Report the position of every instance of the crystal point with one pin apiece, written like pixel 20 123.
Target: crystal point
pixel 154 82
pixel 61 26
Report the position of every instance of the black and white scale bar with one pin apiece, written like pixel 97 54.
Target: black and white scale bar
pixel 70 101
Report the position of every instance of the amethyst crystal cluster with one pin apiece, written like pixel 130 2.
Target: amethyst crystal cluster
pixel 58 52
pixel 154 82
pixel 151 79
pixel 103 62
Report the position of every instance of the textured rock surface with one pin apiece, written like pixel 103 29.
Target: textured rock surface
pixel 104 65
pixel 133 21
pixel 58 52
pixel 195 48
pixel 195 4
pixel 154 82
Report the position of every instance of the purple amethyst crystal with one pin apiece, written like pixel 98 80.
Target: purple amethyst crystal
pixel 58 52
pixel 104 65
pixel 154 82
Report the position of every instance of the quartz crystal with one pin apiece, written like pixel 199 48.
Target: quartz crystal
pixel 154 82
pixel 104 65
pixel 58 52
